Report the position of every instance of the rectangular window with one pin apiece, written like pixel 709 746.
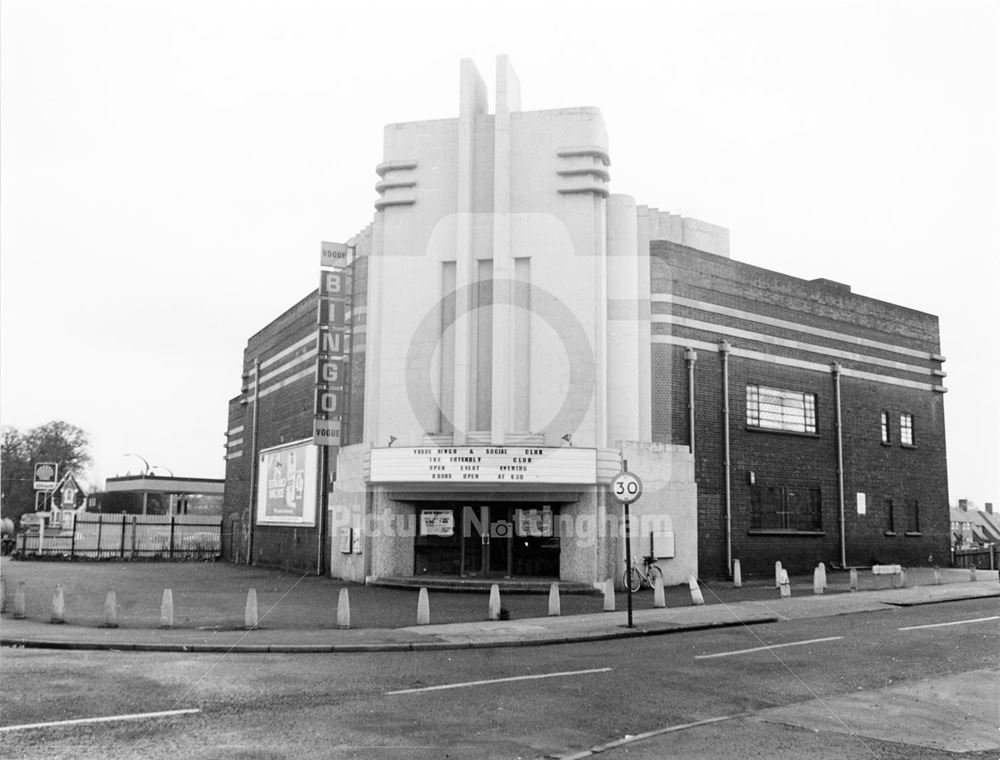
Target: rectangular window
pixel 884 422
pixel 906 429
pixel 913 516
pixel 785 508
pixel 776 409
pixel 890 517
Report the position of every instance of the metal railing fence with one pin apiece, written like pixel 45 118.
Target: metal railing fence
pixel 114 536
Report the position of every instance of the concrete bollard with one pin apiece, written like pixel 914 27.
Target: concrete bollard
pixel 786 587
pixel 423 608
pixel 20 603
pixel 494 602
pixel 3 594
pixel 110 610
pixel 250 617
pixel 659 600
pixel 819 582
pixel 822 574
pixel 854 579
pixel 696 597
pixel 167 609
pixel 937 576
pixel 554 606
pixel 777 574
pixel 344 609
pixel 737 574
pixel 58 606
pixel 972 573
pixel 609 595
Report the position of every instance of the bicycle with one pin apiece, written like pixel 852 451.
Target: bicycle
pixel 634 577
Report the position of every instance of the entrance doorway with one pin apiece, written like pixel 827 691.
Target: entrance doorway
pixel 497 540
pixel 486 542
pixel 504 541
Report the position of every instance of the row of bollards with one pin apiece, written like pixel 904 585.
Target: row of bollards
pixel 252 619
pixel 495 612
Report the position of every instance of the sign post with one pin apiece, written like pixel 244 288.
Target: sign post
pixel 627 488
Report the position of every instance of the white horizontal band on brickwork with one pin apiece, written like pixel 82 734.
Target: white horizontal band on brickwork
pixel 812 348
pixel 787 361
pixel 727 311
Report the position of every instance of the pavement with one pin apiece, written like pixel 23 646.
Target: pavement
pixel 299 613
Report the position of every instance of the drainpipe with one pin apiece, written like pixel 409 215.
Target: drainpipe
pixel 690 356
pixel 724 352
pixel 835 369
pixel 253 460
pixel 324 465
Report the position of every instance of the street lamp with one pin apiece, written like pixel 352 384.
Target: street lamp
pixel 144 472
pixel 161 467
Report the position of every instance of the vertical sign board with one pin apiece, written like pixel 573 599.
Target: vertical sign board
pixel 331 344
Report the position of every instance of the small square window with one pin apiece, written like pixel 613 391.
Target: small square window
pixel 906 429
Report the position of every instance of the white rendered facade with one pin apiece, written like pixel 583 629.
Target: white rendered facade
pixel 508 311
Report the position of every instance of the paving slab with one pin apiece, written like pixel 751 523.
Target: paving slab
pixel 301 614
pixel 958 713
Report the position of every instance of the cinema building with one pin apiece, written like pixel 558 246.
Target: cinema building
pixel 481 359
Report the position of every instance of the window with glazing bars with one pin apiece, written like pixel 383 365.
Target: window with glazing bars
pixel 785 508
pixel 884 422
pixel 776 409
pixel 906 429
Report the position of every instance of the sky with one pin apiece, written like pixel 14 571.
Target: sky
pixel 168 170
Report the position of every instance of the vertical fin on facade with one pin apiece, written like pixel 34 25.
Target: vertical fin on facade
pixel 472 107
pixel 508 99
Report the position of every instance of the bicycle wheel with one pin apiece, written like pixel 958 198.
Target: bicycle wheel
pixel 632 579
pixel 654 573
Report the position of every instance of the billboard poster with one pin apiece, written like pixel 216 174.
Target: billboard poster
pixel 437 522
pixel 286 487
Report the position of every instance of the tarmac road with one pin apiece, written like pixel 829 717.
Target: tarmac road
pixel 875 684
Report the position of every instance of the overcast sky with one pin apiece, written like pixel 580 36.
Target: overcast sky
pixel 170 168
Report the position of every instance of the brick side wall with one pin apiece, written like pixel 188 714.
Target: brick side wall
pixel 284 415
pixel 881 472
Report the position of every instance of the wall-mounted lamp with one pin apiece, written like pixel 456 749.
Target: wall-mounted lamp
pixel 568 438
pixel 752 477
pixel 392 440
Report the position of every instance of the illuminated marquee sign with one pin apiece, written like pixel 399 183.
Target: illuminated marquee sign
pixel 484 464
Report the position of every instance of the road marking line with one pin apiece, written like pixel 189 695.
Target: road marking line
pixel 647 735
pixel 761 649
pixel 107 719
pixel 954 622
pixel 498 680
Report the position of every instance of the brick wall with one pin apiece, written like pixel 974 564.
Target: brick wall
pixel 286 349
pixel 784 333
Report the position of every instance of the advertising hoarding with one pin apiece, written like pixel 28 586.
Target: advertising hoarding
pixel 286 487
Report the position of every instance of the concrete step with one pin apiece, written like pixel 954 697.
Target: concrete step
pixel 482 585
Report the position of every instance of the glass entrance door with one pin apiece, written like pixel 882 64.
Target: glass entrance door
pixel 487 541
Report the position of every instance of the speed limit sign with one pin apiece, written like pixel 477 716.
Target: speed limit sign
pixel 626 487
